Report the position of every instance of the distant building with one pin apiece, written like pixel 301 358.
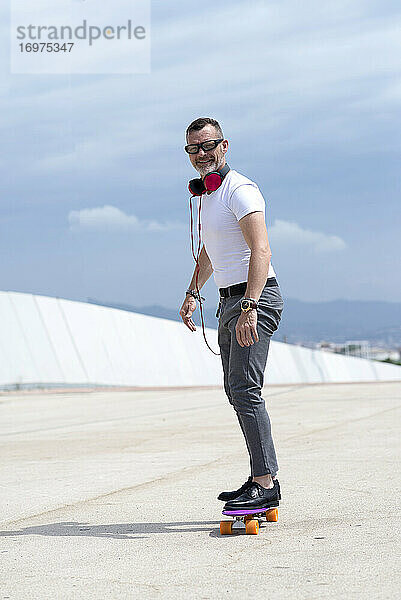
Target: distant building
pixel 384 354
pixel 360 348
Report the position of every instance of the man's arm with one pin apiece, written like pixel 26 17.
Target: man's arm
pixel 254 230
pixel 189 304
pixel 205 270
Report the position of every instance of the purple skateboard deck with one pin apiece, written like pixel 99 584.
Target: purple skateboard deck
pixel 253 511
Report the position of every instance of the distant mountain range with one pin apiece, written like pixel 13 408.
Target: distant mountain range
pixel 308 322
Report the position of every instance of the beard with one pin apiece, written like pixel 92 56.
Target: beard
pixel 204 169
pixel 213 165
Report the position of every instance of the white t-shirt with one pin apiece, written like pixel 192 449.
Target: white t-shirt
pixel 221 233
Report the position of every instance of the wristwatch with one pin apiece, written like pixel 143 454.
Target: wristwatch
pixel 248 304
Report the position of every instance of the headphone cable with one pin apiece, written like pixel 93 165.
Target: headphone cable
pixel 196 259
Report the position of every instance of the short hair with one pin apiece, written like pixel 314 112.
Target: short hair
pixel 200 123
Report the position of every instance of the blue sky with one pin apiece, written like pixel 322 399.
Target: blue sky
pixel 94 196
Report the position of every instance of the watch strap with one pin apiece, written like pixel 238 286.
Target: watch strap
pixel 195 295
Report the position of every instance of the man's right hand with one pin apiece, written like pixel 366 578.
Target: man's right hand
pixel 187 308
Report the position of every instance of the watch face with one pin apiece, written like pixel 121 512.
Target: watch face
pixel 245 305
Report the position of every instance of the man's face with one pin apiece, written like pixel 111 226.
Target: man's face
pixel 212 160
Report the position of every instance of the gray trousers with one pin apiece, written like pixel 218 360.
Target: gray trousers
pixel 244 375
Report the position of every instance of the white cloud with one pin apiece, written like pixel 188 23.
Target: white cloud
pixel 291 234
pixel 111 218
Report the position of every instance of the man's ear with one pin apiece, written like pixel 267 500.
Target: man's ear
pixel 224 143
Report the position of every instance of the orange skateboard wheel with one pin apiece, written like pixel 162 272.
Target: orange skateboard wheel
pixel 272 515
pixel 226 527
pixel 252 527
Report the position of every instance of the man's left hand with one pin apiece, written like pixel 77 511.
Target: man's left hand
pixel 246 327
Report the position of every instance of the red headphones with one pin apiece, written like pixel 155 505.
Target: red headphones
pixel 209 183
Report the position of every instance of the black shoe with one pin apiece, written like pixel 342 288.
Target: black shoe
pixel 256 496
pixel 225 496
pixel 275 481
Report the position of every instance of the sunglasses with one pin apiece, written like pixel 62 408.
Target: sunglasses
pixel 206 146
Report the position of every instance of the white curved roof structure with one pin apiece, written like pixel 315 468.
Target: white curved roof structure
pixel 53 342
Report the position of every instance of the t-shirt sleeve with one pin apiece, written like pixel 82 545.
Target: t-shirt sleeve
pixel 245 199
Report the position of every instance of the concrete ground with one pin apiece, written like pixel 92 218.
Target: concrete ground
pixel 113 495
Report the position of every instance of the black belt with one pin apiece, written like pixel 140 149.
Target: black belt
pixel 240 288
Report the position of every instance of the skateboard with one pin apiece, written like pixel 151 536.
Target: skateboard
pixel 250 518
